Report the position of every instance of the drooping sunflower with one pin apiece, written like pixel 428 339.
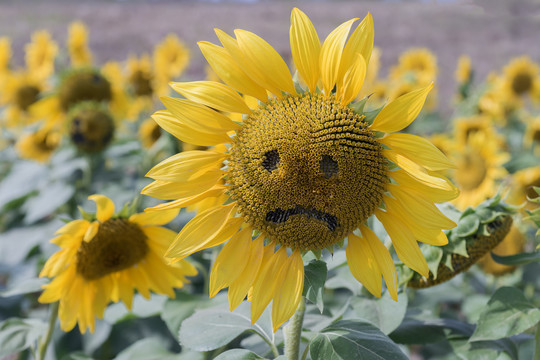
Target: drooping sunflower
pixel 520 78
pixel 513 243
pixel 303 170
pixel 479 169
pixel 105 259
pixel 40 54
pixel 77 44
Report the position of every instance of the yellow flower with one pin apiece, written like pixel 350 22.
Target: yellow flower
pixel 149 132
pixel 463 70
pixel 38 145
pixel 479 169
pixel 171 58
pixel 91 126
pixel 531 138
pixel 5 55
pixel 520 78
pixel 303 170
pixel 40 54
pixel 77 44
pixel 107 259
pixel 522 185
pixel 467 126
pixel 420 63
pixel 512 244
pixel 18 91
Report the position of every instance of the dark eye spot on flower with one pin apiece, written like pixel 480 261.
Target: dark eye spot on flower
pixel 329 167
pixel 271 160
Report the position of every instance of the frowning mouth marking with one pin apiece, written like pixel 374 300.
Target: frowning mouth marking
pixel 279 216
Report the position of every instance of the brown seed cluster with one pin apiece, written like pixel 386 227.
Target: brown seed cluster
pixel 478 246
pixel 522 83
pixel 141 82
pixel 26 96
pixel 306 171
pixel 83 85
pixel 117 245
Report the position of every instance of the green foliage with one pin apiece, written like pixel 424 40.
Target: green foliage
pixel 315 277
pixel 20 334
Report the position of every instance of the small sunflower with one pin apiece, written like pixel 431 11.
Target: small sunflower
pixel 479 169
pixel 303 170
pixel 522 185
pixel 142 83
pixel 40 54
pixel 77 44
pixel 171 58
pixel 19 90
pixel 38 145
pixel 520 77
pixel 108 258
pixel 419 63
pixel 513 243
pixel 467 126
pixel 464 71
pixel 91 126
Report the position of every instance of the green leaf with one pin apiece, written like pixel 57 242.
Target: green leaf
pixel 314 278
pixel 503 349
pixel 238 354
pixel 384 313
pixel 433 256
pixel 213 328
pixel 49 199
pixel 77 356
pixel 24 287
pixel 353 339
pixel 153 349
pixel 468 225
pixel 518 259
pixel 508 313
pixel 141 308
pixel 19 334
pixel 413 331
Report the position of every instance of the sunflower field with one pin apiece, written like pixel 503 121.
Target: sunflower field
pixel 235 198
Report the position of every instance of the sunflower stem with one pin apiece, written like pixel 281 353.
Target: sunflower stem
pixel 537 343
pixel 44 342
pixel 293 332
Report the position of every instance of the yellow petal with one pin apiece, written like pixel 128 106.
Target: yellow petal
pixel 215 191
pixel 231 261
pixel 305 48
pixel 352 82
pixel 239 288
pixel 267 63
pixel 74 228
pixel 166 190
pixel 443 190
pixel 287 297
pixel 418 149
pixel 266 282
pixel 187 165
pixel 363 264
pixel 423 211
pixel 199 231
pixel 401 111
pixel 187 134
pixel 154 218
pixel 384 260
pixel 198 117
pixel 212 94
pixel 404 243
pixel 360 42
pixel 91 231
pixel 230 72
pixel 105 207
pixel 330 56
pixel 419 173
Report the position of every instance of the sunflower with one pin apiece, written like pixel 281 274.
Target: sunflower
pixel 38 145
pixel 19 90
pixel 5 55
pixel 467 126
pixel 91 126
pixel 479 169
pixel 149 132
pixel 522 185
pixel 513 243
pixel 105 259
pixel 531 138
pixel 303 170
pixel 464 71
pixel 142 83
pixel 419 63
pixel 40 54
pixel 77 44
pixel 171 58
pixel 520 78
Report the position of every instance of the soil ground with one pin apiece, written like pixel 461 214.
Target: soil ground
pixel 490 31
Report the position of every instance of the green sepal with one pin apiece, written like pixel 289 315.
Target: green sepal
pixel 358 107
pixel 372 114
pixel 87 215
pixel 317 253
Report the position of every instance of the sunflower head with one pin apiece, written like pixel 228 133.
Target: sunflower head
pixel 520 77
pixel 91 126
pixel 149 132
pixel 522 187
pixel 106 257
pixel 83 84
pixel 140 75
pixel 38 145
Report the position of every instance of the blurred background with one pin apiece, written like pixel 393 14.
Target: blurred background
pixel 491 32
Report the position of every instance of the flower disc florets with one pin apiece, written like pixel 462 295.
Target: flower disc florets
pixel 26 96
pixel 91 127
pixel 306 171
pixel 83 85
